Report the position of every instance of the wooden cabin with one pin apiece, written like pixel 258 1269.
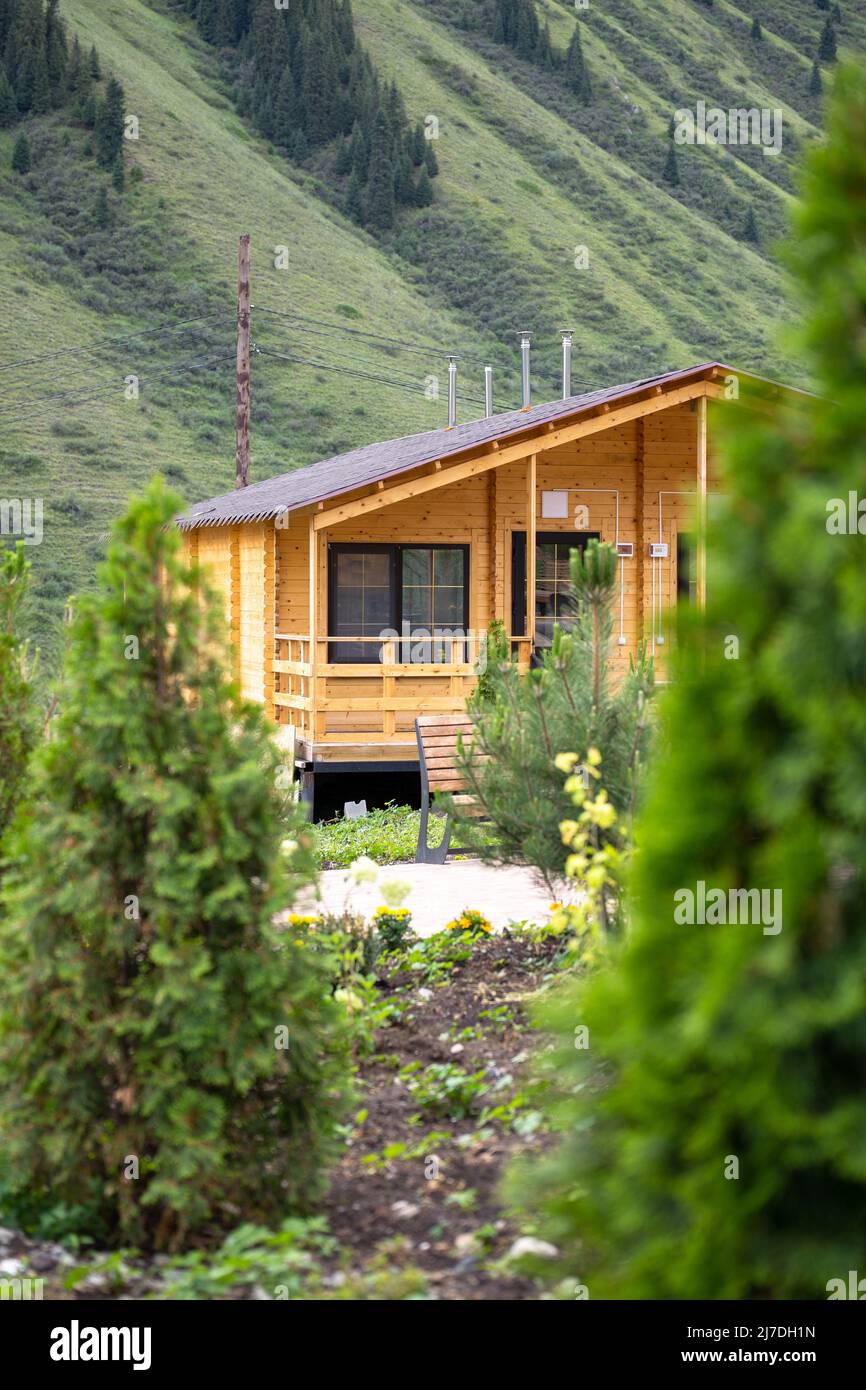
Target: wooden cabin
pixel 358 591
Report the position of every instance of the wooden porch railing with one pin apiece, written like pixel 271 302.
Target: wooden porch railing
pixel 372 701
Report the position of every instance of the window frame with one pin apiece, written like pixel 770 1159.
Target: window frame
pixel 394 549
pixel 576 540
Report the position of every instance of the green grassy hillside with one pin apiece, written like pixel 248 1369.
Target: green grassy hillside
pixel 527 175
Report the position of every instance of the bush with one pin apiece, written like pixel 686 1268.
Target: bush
pixel 166 1057
pixel 713 1126
pixel 523 720
pixel 18 726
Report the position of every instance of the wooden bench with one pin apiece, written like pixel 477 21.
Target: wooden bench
pixel 437 736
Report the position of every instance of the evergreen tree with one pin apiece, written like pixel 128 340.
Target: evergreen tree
pixel 21 155
pixel 419 145
pixel 423 189
pixel 815 84
pixel 8 104
pixel 823 4
pixel 18 728
pixel 300 147
pixel 343 163
pixel 360 155
pixel 118 174
pixel 109 124
pixel 526 39
pixel 95 68
pixel 576 73
pixel 102 209
pixel 137 931
pixel 380 183
pixel 672 168
pixel 750 227
pixel 56 55
pixel 757 32
pixel 354 199
pixel 712 1131
pixel 430 160
pixel 523 720
pixel 827 44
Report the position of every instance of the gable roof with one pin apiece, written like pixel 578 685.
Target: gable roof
pixel 345 472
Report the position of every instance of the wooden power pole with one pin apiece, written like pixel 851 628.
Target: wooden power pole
pixel 242 410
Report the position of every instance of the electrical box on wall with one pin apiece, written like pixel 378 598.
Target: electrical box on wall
pixel 554 504
pixel 658 550
pixel 625 549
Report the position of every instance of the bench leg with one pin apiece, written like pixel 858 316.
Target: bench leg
pixel 426 853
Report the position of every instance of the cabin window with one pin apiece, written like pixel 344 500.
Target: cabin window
pixel 554 592
pixel 416 591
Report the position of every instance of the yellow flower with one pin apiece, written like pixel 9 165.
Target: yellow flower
pixel 565 762
pixel 568 829
pixel 555 907
pixel 593 757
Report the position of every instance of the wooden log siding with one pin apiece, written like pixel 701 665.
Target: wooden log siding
pixel 273 578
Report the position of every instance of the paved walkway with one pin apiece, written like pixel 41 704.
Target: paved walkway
pixel 439 892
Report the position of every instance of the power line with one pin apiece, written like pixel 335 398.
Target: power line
pixel 424 348
pixel 354 372
pixel 80 398
pixel 124 338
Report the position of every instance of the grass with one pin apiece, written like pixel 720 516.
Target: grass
pixel 389 836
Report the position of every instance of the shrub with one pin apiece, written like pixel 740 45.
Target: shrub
pixel 18 726
pixel 166 1057
pixel 713 1128
pixel 393 925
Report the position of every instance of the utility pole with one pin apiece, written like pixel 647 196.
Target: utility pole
pixel 242 410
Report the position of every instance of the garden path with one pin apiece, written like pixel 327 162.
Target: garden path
pixel 439 892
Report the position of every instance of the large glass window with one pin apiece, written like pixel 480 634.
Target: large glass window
pixel 402 588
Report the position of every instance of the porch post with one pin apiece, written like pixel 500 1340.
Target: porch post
pixel 702 502
pixel 312 687
pixel 530 550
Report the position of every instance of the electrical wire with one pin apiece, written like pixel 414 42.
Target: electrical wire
pixel 124 338
pixel 50 404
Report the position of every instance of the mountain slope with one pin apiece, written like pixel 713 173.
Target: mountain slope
pixel 527 176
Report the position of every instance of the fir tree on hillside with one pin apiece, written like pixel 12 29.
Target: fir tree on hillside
pixel 757 31
pixel 750 227
pixel 815 84
pixel 827 43
pixel 109 124
pixel 21 155
pixel 671 172
pixel 576 72
pixel 380 183
pixel 308 85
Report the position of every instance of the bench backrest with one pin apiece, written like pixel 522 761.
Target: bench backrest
pixel 437 749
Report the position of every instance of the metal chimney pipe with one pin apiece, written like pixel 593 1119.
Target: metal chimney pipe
pixel 566 362
pixel 524 369
pixel 488 391
pixel 452 392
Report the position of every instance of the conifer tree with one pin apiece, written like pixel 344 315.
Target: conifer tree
pixel 354 199
pixel 712 1130
pixel 827 43
pixel 110 124
pixel 423 189
pixel 576 73
pixel 95 67
pixel 21 155
pixel 815 84
pixel 17 712
pixel 169 1060
pixel 750 227
pixel 380 183
pixel 757 32
pixel 8 104
pixel 430 160
pixel 118 174
pixel 672 168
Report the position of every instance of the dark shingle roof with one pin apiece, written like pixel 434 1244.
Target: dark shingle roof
pixel 359 467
